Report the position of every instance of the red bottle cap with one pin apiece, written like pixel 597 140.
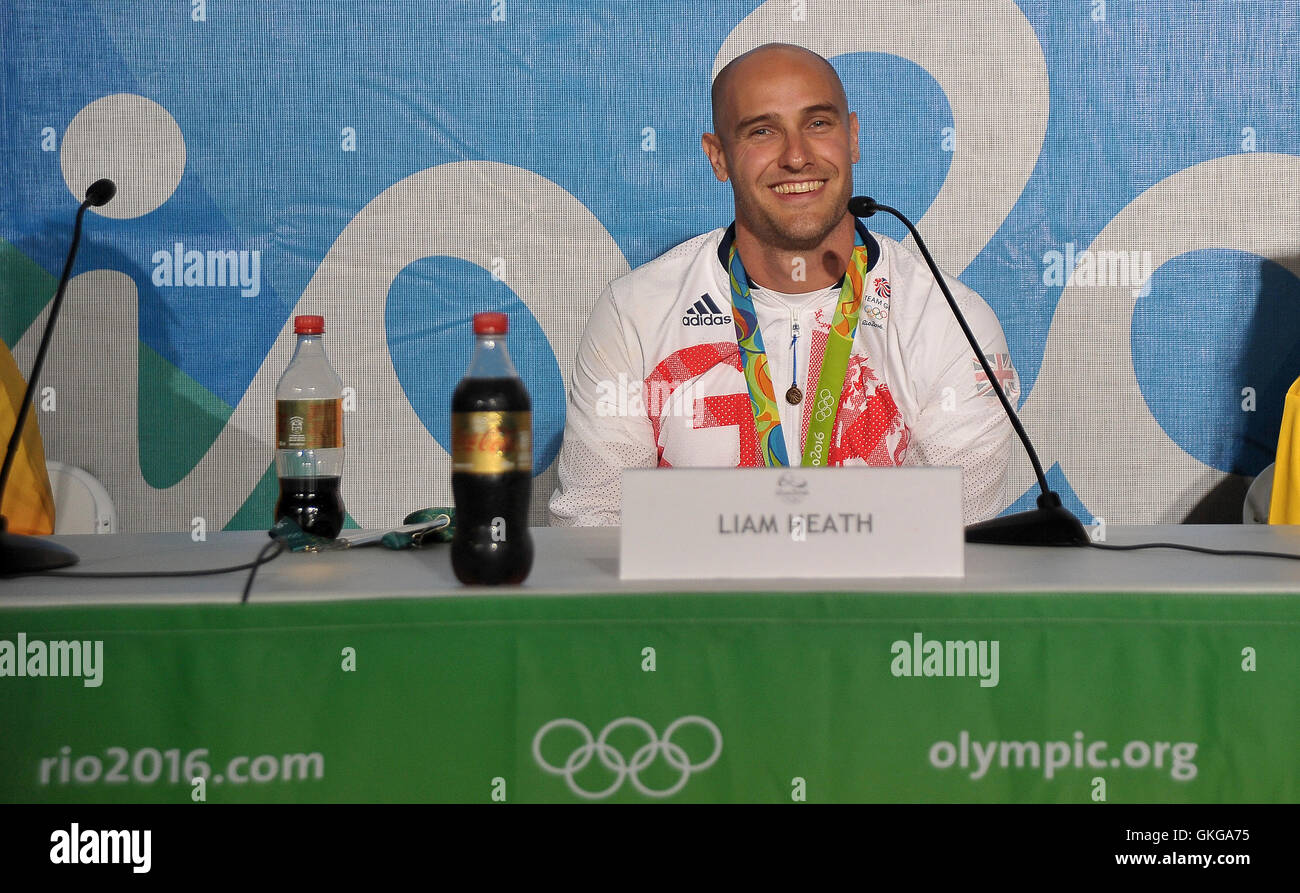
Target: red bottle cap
pixel 309 325
pixel 490 324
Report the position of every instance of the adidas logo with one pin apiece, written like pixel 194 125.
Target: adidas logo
pixel 705 313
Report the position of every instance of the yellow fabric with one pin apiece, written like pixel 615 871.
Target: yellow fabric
pixel 1284 508
pixel 28 501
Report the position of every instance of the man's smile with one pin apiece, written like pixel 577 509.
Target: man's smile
pixel 798 187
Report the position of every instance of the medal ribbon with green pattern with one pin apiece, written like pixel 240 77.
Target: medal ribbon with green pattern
pixel 835 361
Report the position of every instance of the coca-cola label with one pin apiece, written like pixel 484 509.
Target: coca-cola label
pixel 491 442
pixel 309 424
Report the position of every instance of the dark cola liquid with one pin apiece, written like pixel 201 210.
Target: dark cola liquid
pixel 477 555
pixel 314 504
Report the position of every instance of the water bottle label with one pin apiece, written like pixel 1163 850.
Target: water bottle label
pixel 309 424
pixel 491 442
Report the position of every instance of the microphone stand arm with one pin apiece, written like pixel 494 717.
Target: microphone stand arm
pixel 24 554
pixel 1051 524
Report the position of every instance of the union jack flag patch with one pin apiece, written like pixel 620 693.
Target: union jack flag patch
pixel 1003 371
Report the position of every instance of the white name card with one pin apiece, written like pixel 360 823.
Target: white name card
pixel 736 523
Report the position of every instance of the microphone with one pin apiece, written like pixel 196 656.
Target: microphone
pixel 101 192
pixel 1051 524
pixel 25 554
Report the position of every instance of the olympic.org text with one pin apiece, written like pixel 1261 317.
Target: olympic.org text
pixel 149 765
pixel 979 757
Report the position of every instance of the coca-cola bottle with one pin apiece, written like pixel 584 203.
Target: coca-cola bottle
pixel 309 434
pixel 491 463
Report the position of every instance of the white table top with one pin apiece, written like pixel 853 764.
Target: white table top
pixel 585 561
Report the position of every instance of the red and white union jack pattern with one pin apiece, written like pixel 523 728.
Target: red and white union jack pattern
pixel 1002 370
pixel 868 430
pixel 881 286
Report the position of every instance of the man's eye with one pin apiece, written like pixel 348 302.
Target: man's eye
pixel 759 131
pixel 820 122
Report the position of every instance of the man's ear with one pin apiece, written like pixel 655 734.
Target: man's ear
pixel 853 135
pixel 717 158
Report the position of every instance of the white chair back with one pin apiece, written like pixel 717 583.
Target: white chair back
pixel 81 504
pixel 1255 509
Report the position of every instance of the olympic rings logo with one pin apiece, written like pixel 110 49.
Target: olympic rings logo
pixel 674 755
pixel 825 406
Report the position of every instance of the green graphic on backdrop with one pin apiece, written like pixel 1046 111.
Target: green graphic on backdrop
pixel 25 289
pixel 179 420
pixel 549 698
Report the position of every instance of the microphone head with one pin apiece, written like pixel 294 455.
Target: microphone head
pixel 862 206
pixel 100 192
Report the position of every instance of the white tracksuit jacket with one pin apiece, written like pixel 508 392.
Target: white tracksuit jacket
pixel 657 379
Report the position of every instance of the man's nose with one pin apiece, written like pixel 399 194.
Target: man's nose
pixel 795 155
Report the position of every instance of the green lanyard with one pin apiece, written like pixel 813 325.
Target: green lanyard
pixel 835 361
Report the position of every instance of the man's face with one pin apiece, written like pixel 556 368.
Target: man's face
pixel 787 143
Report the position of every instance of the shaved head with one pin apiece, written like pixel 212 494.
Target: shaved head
pixel 754 63
pixel 786 141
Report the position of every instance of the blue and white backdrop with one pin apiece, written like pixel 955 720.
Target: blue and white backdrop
pixel 1120 180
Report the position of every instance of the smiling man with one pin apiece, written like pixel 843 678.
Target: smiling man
pixel 704 356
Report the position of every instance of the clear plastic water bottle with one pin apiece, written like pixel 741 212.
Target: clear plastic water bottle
pixel 309 434
pixel 491 462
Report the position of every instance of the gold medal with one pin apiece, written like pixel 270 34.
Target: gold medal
pixel 793 396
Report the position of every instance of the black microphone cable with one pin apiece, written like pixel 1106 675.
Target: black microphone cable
pixel 265 555
pixel 1253 553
